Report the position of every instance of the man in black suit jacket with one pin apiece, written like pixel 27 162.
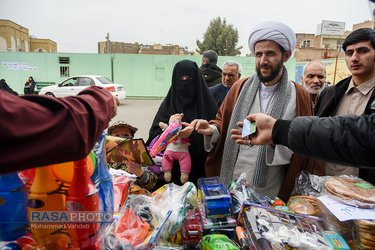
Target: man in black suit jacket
pixel 231 74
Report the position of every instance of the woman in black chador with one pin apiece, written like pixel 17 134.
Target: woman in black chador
pixel 29 86
pixel 189 95
pixel 5 86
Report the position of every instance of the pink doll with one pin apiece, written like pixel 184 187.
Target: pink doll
pixel 178 149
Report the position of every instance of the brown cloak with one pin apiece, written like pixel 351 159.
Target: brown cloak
pixel 298 163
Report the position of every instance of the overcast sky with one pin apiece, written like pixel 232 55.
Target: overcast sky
pixel 78 25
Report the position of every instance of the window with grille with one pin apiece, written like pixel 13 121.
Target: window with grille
pixel 64 71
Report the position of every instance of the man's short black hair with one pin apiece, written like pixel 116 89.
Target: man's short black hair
pixel 360 35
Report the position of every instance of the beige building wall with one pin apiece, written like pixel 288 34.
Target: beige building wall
pixel 158 49
pixel 365 24
pixel 311 54
pixel 13 37
pixel 118 48
pixel 135 48
pixel 311 47
pixel 305 40
pixel 101 47
pixel 42 45
pixel 124 48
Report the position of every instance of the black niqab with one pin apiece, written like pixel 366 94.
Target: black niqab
pixel 192 98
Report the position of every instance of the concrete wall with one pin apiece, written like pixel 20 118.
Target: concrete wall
pixel 45 67
pixel 144 76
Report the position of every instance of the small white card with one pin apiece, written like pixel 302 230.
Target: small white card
pixel 248 128
pixel 344 212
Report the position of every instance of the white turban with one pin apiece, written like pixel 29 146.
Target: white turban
pixel 274 31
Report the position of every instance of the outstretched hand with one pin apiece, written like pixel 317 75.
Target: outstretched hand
pixel 185 132
pixel 202 127
pixel 263 134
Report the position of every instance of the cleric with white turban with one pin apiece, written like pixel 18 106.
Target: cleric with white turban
pixel 269 170
pixel 274 31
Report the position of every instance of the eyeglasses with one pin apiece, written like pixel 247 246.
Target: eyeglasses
pixel 230 75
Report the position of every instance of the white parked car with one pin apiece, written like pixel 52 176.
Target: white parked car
pixel 75 84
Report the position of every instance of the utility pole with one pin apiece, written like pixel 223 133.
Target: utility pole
pixel 108 44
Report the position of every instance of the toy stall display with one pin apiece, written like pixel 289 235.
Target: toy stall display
pixel 321 213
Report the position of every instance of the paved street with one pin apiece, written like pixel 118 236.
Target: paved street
pixel 139 113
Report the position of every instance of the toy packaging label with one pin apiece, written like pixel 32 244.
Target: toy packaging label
pixel 248 127
pixel 120 149
pixel 335 240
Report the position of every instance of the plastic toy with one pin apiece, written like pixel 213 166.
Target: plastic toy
pixel 83 196
pixel 45 196
pixel 216 242
pixel 192 231
pixel 278 202
pixel 26 242
pixel 28 174
pixel 13 209
pixel 64 171
pixel 242 236
pixel 177 149
pixel 11 246
pixel 156 169
pixel 240 191
pixel 150 240
pixel 121 186
pixel 215 197
pixel 169 134
pixel 102 179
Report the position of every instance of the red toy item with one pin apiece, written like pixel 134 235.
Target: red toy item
pixel 278 202
pixel 83 196
pixel 192 232
pixel 120 191
pixel 131 228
